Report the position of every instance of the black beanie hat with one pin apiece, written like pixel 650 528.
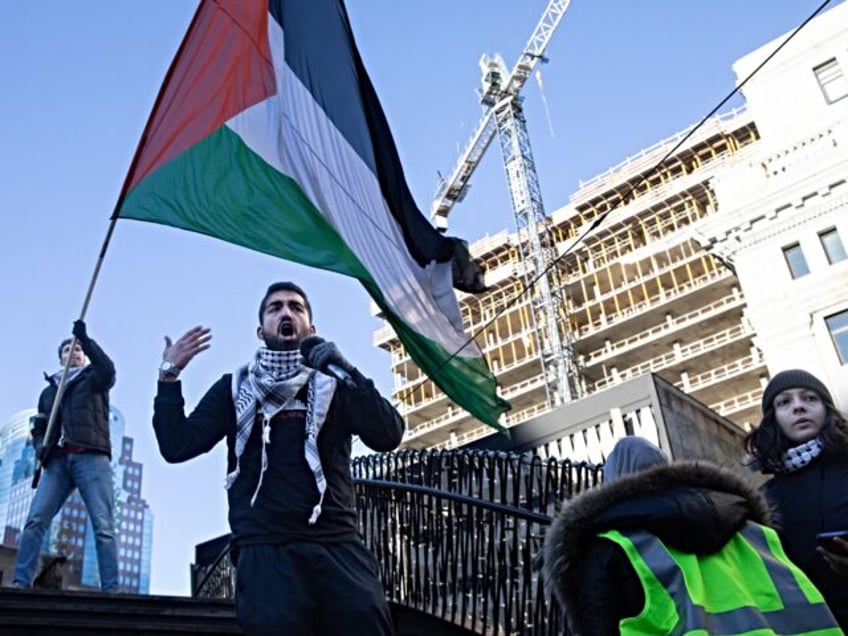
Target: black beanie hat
pixel 794 379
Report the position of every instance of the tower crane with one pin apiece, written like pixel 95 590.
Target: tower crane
pixel 503 113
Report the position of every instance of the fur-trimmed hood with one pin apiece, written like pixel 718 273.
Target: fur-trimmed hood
pixel 693 506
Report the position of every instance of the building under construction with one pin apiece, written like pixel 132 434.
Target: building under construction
pixel 644 260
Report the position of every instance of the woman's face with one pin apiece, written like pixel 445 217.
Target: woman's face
pixel 800 414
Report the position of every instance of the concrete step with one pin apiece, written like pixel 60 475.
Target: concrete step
pixel 63 613
pixel 74 613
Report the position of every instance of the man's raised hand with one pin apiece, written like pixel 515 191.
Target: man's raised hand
pixel 192 342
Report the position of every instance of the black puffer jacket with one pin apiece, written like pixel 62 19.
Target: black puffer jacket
pixel 695 507
pixel 83 415
pixel 808 501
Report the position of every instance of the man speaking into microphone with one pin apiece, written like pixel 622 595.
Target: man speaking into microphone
pixel 288 416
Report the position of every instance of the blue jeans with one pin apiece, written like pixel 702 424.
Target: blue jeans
pixel 91 473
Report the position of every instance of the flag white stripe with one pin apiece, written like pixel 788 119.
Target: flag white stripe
pixel 347 193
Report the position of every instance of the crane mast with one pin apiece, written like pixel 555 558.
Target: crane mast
pixel 453 189
pixel 503 114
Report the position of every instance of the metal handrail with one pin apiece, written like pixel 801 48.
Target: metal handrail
pixel 521 513
pixel 218 580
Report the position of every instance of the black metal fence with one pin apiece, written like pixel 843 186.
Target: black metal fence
pixel 457 534
pixel 216 579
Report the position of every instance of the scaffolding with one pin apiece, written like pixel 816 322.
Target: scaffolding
pixel 639 294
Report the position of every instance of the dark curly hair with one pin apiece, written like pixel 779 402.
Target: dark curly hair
pixel 62 344
pixel 284 286
pixel 767 443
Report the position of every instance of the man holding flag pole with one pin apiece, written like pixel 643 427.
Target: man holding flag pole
pixel 74 450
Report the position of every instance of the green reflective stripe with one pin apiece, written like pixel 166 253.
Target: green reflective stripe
pixel 797 616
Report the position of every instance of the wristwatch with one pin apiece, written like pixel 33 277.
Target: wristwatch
pixel 168 369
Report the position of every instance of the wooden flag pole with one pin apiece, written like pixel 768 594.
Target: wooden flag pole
pixel 60 390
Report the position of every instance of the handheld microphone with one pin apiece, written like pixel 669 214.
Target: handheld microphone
pixel 307 348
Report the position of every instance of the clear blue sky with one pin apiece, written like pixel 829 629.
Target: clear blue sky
pixel 79 80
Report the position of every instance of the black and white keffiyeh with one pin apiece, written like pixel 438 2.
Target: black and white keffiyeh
pixel 73 374
pixel 799 456
pixel 271 381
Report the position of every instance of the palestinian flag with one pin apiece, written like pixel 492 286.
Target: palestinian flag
pixel 267 133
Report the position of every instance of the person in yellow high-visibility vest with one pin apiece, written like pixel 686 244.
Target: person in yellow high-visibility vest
pixel 676 548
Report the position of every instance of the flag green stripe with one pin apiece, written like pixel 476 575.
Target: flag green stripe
pixel 221 188
pixel 467 381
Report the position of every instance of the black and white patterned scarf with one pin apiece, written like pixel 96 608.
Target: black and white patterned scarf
pixel 799 456
pixel 271 382
pixel 73 374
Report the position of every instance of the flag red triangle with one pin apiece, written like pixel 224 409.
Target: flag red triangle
pixel 223 66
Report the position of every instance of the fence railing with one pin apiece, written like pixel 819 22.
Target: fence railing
pixel 458 534
pixel 216 579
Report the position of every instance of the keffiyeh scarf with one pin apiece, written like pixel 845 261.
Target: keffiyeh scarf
pixel 73 374
pixel 270 382
pixel 799 456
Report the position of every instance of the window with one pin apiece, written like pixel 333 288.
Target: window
pixel 831 81
pixel 837 325
pixel 795 260
pixel 832 244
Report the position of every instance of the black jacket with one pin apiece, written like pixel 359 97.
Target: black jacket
pixel 288 493
pixel 695 507
pixel 808 501
pixel 83 416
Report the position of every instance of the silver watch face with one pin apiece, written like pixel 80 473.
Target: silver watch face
pixel 168 368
